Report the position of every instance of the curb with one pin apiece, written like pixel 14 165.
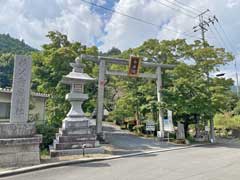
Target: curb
pixel 69 162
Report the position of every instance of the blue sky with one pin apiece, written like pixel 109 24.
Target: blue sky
pixel 32 19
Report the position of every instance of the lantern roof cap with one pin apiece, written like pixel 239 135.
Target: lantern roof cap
pixel 78 76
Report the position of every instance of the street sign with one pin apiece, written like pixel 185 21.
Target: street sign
pixel 134 66
pixel 150 126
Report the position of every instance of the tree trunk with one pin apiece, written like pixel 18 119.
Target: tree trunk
pixel 186 124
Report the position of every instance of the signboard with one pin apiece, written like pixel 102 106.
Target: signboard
pixel 150 126
pixel 134 66
pixel 159 134
pixel 168 123
pixel 207 128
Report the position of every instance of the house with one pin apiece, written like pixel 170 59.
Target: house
pixel 36 108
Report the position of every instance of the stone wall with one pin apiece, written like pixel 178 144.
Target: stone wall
pixel 18 152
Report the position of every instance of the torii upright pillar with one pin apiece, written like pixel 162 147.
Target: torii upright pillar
pixel 100 102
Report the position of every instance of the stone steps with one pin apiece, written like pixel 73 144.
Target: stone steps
pixel 63 139
pixel 74 145
pixel 70 152
pixel 70 132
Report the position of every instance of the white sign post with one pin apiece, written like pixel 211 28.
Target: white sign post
pixel 168 123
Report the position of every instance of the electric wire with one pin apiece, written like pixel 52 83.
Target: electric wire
pixel 216 37
pixel 189 15
pixel 186 5
pixel 136 18
pixel 182 7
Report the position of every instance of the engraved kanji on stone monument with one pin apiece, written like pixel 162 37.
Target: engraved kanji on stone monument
pixel 21 89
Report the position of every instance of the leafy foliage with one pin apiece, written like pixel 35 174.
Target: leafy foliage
pixel 227 121
pixel 236 110
pixel 8 48
pixel 12 45
pixel 50 65
pixel 188 89
pixel 48 132
pixel 6 70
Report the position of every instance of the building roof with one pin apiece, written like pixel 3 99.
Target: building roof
pixel 34 94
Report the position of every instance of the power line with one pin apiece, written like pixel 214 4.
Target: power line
pixel 229 43
pixel 135 18
pixel 221 38
pixel 182 7
pixel 186 5
pixel 227 37
pixel 236 52
pixel 189 15
pixel 216 37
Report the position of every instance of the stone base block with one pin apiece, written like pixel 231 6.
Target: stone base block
pixel 21 130
pixel 72 132
pixel 71 152
pixel 18 152
pixel 75 123
pixel 77 138
pixel 74 145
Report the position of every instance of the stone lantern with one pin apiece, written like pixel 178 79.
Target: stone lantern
pixel 76 133
pixel 76 79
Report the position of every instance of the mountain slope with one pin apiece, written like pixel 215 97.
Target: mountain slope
pixel 12 45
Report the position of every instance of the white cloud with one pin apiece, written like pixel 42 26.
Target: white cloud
pixel 101 2
pixel 31 20
pixel 126 33
pixel 232 3
pixel 123 32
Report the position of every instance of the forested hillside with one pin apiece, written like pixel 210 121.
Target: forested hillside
pixel 8 48
pixel 12 45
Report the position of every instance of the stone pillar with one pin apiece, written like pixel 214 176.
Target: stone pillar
pixel 21 89
pixel 180 131
pixel 100 99
pixel 19 145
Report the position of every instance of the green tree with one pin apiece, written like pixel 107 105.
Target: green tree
pixel 187 89
pixel 12 45
pixel 6 70
pixel 193 94
pixel 50 65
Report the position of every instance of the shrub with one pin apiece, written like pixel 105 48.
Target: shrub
pixel 48 132
pixel 138 129
pixel 227 121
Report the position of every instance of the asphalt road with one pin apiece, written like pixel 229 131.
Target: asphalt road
pixel 199 163
pixel 124 142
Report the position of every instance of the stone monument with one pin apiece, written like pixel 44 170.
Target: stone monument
pixel 180 131
pixel 76 133
pixel 19 145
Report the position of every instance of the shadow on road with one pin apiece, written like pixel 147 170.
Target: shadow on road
pixel 147 155
pixel 93 165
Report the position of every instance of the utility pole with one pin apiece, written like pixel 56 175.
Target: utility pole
pixel 159 97
pixel 235 65
pixel 203 27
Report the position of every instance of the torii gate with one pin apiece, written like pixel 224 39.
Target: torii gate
pixel 102 61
